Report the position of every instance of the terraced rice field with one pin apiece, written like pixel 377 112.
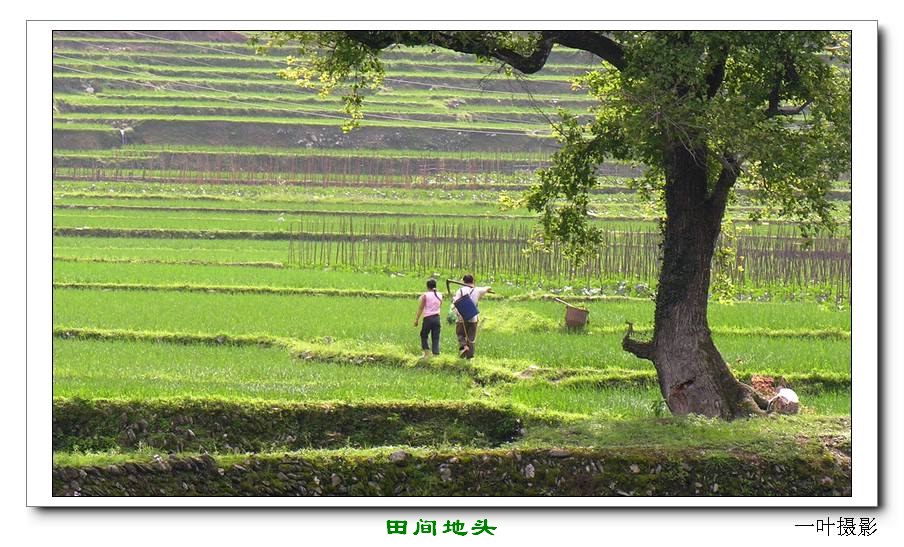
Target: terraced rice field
pixel 235 283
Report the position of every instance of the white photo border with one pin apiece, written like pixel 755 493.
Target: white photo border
pixel 865 275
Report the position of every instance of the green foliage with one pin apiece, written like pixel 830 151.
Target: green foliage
pixel 239 426
pixel 562 193
pixel 659 407
pixel 663 96
pixel 725 259
pixel 755 463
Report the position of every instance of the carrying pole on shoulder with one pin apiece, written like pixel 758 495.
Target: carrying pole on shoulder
pixel 450 281
pixel 449 289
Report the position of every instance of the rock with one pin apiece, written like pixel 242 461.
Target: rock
pixel 445 474
pixel 181 465
pixel 559 453
pixel 635 468
pixel 529 471
pixel 453 460
pixel 399 456
pixel 282 476
pixel 785 402
pixel 335 480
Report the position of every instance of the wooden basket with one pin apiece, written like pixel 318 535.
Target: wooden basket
pixel 575 317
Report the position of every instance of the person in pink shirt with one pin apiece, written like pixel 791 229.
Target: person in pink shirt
pixel 430 304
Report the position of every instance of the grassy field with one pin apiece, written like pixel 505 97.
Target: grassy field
pixel 526 332
pixel 136 370
pixel 236 278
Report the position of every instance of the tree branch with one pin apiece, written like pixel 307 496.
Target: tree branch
pixel 790 77
pixel 731 169
pixel 643 350
pixel 485 45
pixel 526 64
pixel 596 43
pixel 717 74
pixel 374 39
pixel 789 111
pixel 774 97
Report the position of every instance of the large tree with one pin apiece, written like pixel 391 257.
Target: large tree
pixel 704 111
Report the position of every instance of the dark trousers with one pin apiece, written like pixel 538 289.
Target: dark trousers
pixel 467 336
pixel 431 326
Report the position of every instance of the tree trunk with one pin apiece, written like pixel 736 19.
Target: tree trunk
pixel 693 376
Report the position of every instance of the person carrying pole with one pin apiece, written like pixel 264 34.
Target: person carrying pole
pixel 430 305
pixel 467 314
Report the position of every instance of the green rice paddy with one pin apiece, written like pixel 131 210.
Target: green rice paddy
pixel 171 311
